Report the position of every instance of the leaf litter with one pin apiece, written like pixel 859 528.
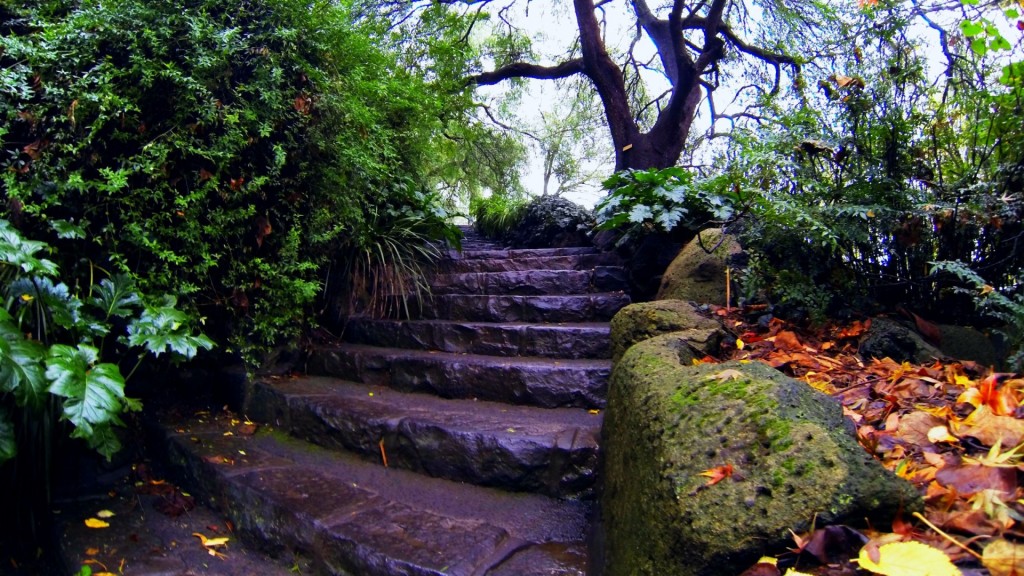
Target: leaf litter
pixel 954 429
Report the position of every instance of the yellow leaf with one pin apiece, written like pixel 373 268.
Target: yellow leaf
pixel 961 380
pixel 1003 558
pixel 908 559
pixel 986 289
pixel 739 344
pixel 215 542
pixel 792 572
pixel 104 514
pixel 768 560
pixel 871 213
pixel 96 523
pixel 594 411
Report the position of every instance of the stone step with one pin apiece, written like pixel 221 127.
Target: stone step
pixel 595 307
pixel 565 340
pixel 520 448
pixel 519 253
pixel 531 381
pixel 564 262
pixel 531 282
pixel 355 517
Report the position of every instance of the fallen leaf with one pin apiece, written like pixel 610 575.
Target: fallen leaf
pixel 908 559
pixel 96 523
pixel 787 340
pixel 1003 558
pixel 104 514
pixel 941 434
pixel 990 428
pixel 724 375
pixel 971 479
pixel 717 474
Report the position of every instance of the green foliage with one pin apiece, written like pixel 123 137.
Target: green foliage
pixel 385 261
pixel 498 215
pixel 645 200
pixel 1007 308
pixel 51 343
pixel 228 173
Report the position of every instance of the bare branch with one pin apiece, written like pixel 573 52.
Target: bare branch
pixel 500 124
pixel 527 70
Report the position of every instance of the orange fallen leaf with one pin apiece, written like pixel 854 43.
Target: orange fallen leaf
pixel 96 523
pixel 717 474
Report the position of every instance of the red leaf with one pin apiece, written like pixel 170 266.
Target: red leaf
pixel 717 474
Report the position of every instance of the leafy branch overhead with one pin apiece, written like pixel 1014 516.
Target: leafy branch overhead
pixel 692 39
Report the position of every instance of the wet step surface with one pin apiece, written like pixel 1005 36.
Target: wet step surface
pixel 464 439
pixel 596 307
pixel 551 452
pixel 357 517
pixel 542 382
pixel 562 340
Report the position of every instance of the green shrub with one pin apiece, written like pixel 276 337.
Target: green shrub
pixel 498 215
pixel 219 150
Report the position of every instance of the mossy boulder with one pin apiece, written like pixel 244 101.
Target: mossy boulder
pixel 698 273
pixel 794 457
pixel 644 320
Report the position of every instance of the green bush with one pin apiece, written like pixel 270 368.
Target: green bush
pixel 498 215
pixel 219 150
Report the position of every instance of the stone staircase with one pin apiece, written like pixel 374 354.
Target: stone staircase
pixel 463 442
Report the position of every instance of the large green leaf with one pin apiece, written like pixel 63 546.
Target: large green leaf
pixel 93 392
pixel 21 365
pixel 116 296
pixel 164 328
pixel 17 251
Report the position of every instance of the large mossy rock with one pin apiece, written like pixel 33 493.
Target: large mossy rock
pixel 552 222
pixel 794 458
pixel 644 320
pixel 699 275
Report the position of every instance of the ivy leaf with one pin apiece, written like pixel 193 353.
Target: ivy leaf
pixel 116 296
pixel 21 368
pixel 93 391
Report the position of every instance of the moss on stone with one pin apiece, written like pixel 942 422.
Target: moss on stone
pixel 696 275
pixel 668 421
pixel 641 321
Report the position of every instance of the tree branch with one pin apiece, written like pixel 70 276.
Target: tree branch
pixel 527 70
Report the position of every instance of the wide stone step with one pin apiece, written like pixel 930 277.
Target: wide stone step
pixel 521 252
pixel 529 282
pixel 532 381
pixel 597 307
pixel 565 340
pixel 521 448
pixel 355 517
pixel 565 262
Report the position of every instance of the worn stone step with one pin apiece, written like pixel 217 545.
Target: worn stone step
pixel 520 448
pixel 529 282
pixel 532 381
pixel 564 340
pixel 564 262
pixel 596 307
pixel 521 252
pixel 355 517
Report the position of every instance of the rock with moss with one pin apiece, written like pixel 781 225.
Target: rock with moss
pixel 644 320
pixel 793 457
pixel 698 273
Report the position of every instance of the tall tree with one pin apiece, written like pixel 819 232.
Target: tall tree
pixel 693 40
